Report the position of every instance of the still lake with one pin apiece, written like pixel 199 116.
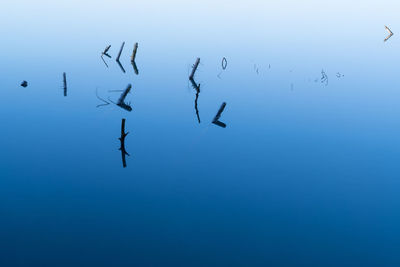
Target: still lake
pixel 305 173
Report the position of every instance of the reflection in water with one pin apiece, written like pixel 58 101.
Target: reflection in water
pixel 101 99
pixel 24 84
pixel 122 140
pixel 216 118
pixel 135 69
pixel 324 78
pixel 121 101
pixel 104 61
pixel 256 68
pixel 65 83
pixel 197 88
pixel 120 65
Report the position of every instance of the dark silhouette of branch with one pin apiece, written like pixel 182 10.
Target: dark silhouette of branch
pixel 120 51
pixel 216 118
pixel 135 69
pixel 121 101
pixel 133 57
pixel 104 53
pixel 196 64
pixel 197 88
pixel 122 140
pixel 120 65
pixel 65 83
pixel 106 50
pixel 118 57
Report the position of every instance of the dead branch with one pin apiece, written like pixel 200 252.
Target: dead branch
pixel 133 57
pixel 390 33
pixel 135 69
pixel 197 88
pixel 120 65
pixel 65 83
pixel 121 101
pixel 216 118
pixel 120 51
pixel 122 140
pixel 196 64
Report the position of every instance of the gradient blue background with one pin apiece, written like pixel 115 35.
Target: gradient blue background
pixel 303 175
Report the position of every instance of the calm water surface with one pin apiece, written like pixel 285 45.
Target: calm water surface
pixel 305 173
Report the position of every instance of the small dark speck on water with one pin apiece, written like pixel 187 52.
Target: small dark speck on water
pixel 24 84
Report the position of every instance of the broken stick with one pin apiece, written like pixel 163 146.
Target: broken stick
pixel 122 140
pixel 216 118
pixel 120 51
pixel 133 57
pixel 196 64
pixel 121 101
pixel 65 83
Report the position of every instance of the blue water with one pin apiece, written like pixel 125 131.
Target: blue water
pixel 304 174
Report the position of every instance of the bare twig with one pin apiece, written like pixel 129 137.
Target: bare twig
pixel 124 94
pixel 135 69
pixel 120 65
pixel 390 33
pixel 106 50
pixel 197 88
pixel 122 140
pixel 133 57
pixel 65 83
pixel 196 64
pixel 121 101
pixel 216 118
pixel 120 51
